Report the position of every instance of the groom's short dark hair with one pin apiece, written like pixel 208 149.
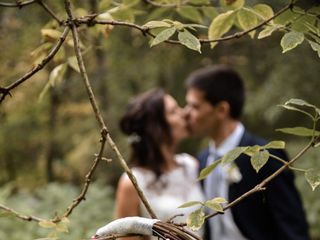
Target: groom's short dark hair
pixel 220 83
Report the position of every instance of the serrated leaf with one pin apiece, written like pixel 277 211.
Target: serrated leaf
pixel 267 31
pixel 215 204
pixel 189 204
pixel 264 11
pixel 73 63
pixel 163 36
pixel 313 178
pixel 206 171
pixel 47 224
pixel 290 40
pixel 190 13
pixel 275 145
pixel 51 34
pixel 220 25
pixel 196 219
pixel 189 40
pixel 259 159
pixel 247 20
pixel 232 155
pixel 299 131
pixel 157 24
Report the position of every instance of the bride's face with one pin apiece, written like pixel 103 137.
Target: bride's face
pixel 176 119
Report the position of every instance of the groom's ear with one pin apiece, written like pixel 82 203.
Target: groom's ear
pixel 223 109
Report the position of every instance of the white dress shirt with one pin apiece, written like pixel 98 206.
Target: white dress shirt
pixel 222 227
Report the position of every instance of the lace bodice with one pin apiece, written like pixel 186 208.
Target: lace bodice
pixel 171 190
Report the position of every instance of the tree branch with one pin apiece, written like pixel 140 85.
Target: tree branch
pixel 105 132
pixel 85 188
pixel 50 12
pixel 19 215
pixel 6 90
pixel 261 186
pixel 146 31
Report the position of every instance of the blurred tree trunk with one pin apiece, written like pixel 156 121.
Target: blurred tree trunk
pixel 52 127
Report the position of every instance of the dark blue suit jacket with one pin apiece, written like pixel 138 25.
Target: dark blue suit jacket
pixel 274 214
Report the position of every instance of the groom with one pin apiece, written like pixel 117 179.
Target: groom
pixel 215 99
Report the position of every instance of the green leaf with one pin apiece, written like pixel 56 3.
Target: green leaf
pixel 7 214
pixel 215 204
pixel 313 178
pixel 267 31
pixel 232 155
pixel 130 3
pixel 315 46
pixel 189 204
pixel 286 18
pixel 299 131
pixel 51 34
pixel 73 63
pixel 275 145
pixel 220 25
pixel 163 36
pixel 264 11
pixel 299 102
pixel 47 224
pixel 104 4
pixel 55 76
pixel 189 40
pixel 157 24
pixel 196 219
pixel 206 171
pixel 232 4
pixel 247 20
pixel 190 13
pixel 199 2
pixel 259 159
pixel 290 40
pixel 210 12
pixel 304 24
pixel 252 150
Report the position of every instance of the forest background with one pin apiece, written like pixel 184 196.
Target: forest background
pixel 48 134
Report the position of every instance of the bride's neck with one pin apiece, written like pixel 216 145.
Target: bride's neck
pixel 169 157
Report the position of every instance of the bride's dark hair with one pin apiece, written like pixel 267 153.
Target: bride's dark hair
pixel 145 123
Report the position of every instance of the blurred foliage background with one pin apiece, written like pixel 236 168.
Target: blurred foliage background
pixel 47 144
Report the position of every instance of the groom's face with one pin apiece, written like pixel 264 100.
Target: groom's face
pixel 201 115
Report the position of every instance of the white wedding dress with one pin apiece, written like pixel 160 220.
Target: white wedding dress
pixel 171 190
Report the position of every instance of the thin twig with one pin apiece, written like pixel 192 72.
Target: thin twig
pixel 18 4
pixel 45 7
pixel 145 30
pixel 6 90
pixel 19 215
pixel 97 110
pixel 85 188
